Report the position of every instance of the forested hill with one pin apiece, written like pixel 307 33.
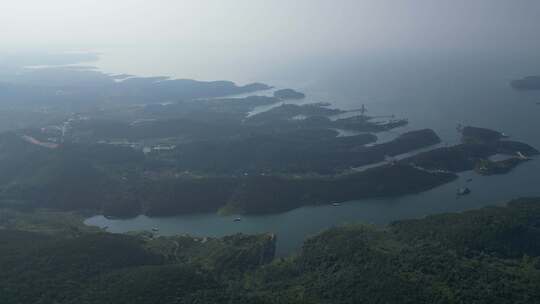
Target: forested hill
pixel 491 255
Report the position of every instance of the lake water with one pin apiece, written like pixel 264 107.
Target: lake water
pixel 432 91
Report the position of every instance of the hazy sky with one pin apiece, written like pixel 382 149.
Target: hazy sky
pixel 202 31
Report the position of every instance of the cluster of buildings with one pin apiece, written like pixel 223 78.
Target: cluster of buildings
pixel 56 134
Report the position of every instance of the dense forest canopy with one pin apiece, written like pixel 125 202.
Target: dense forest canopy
pixel 490 255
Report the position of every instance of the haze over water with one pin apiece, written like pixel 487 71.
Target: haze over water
pixel 436 63
pixel 435 91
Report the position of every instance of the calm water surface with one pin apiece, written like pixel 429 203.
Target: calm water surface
pixel 432 92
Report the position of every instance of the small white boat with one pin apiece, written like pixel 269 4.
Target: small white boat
pixel 237 219
pixel 463 191
pixel 522 156
pixel 336 204
pixel 155 229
